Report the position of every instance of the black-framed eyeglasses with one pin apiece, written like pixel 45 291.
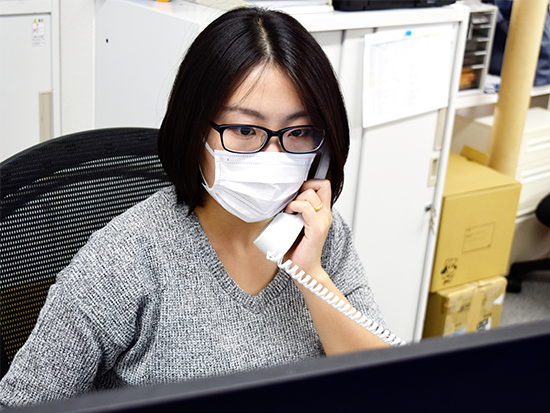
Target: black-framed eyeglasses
pixel 251 138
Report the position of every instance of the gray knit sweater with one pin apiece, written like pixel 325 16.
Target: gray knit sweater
pixel 147 301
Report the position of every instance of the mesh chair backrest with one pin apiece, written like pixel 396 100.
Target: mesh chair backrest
pixel 53 196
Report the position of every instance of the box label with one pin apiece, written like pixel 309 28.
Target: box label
pixel 484 325
pixel 478 237
pixel 460 332
pixel 449 269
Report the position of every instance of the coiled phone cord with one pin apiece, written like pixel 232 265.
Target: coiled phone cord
pixel 334 301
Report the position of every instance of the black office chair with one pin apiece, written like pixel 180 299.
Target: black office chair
pixel 53 196
pixel 519 269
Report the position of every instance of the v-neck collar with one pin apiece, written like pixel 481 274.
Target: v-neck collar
pixel 255 303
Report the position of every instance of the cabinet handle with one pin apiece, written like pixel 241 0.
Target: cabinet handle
pixel 45 113
pixel 434 168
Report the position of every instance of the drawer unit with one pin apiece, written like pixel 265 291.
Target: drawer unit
pixel 535 184
pixel 476 133
pixel 479 43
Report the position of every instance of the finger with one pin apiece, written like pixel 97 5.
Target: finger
pixel 321 187
pixel 310 196
pixel 301 207
pixel 311 207
pixel 307 201
pixel 316 192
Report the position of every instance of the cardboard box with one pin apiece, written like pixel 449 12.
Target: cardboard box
pixel 449 311
pixel 477 224
pixel 487 304
pixel 467 308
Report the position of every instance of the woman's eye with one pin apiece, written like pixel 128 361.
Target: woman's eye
pixel 245 131
pixel 300 133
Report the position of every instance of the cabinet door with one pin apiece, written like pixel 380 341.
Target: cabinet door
pixel 25 73
pixel 391 218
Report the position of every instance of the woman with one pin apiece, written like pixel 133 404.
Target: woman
pixel 175 289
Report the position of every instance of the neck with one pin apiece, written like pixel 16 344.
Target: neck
pixel 232 239
pixel 222 227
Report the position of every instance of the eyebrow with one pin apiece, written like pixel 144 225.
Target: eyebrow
pixel 260 116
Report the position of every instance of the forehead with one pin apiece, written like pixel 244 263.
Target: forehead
pixel 260 77
pixel 264 90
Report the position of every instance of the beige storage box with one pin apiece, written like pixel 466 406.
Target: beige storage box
pixel 487 304
pixel 448 311
pixel 467 308
pixel 477 224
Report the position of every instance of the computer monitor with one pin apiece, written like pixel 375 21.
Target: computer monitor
pixel 501 370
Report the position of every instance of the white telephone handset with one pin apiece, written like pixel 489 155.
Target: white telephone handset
pixel 279 235
pixel 277 238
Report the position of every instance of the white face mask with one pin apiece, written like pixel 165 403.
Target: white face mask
pixel 256 186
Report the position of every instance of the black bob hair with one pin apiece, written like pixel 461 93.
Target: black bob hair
pixel 225 51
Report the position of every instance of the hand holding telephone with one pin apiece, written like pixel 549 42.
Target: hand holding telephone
pixel 279 235
pixel 277 238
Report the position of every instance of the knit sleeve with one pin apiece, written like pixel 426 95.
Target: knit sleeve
pixel 341 261
pixel 61 356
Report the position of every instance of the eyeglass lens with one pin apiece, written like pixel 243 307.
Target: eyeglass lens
pixel 249 139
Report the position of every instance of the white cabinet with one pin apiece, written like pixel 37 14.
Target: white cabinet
pixel 393 185
pixel 25 55
pixel 393 188
pixel 27 74
pixel 392 193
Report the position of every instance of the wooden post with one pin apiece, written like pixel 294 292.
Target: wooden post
pixel 517 77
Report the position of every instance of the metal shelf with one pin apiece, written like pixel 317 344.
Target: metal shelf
pixel 467 99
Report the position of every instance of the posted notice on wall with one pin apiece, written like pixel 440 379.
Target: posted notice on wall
pixel 407 71
pixel 38 33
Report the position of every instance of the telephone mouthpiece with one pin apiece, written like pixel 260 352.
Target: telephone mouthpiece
pixel 279 235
